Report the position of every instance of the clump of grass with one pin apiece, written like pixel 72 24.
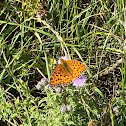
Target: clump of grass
pixel 90 31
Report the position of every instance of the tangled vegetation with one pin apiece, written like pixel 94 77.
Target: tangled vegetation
pixel 34 34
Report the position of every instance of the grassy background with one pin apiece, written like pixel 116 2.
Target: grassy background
pixel 34 34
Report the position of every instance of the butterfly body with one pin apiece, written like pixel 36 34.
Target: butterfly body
pixel 67 71
pixel 65 68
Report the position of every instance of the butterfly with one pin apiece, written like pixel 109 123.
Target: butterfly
pixel 66 72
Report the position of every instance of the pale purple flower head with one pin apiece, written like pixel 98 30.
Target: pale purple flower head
pixel 58 90
pixel 38 86
pixel 62 57
pixel 42 82
pixel 47 87
pixel 69 108
pixel 79 82
pixel 63 109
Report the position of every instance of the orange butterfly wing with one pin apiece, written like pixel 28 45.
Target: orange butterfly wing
pixel 77 67
pixel 60 77
pixel 56 77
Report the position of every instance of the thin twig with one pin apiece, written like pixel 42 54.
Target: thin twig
pixel 111 68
